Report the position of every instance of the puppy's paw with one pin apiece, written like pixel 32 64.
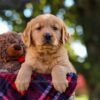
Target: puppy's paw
pixel 60 85
pixel 22 82
pixel 22 85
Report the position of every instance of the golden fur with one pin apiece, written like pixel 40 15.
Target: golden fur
pixel 45 58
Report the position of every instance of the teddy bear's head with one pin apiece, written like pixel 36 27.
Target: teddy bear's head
pixel 11 49
pixel 11 46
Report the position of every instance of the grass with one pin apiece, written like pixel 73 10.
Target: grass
pixel 83 97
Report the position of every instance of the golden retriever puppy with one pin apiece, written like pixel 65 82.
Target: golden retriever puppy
pixel 45 37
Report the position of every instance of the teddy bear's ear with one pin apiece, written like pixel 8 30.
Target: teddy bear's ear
pixel 64 34
pixel 26 35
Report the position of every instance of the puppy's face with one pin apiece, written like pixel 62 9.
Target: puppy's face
pixel 45 30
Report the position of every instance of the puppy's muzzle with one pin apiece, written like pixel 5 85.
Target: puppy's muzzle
pixel 47 38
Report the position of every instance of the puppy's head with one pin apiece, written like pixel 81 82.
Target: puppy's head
pixel 45 30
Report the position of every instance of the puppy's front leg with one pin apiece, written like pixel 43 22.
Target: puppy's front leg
pixel 59 78
pixel 24 77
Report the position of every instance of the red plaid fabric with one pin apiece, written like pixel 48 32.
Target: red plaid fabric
pixel 40 88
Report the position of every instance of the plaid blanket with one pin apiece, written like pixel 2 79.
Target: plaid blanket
pixel 40 88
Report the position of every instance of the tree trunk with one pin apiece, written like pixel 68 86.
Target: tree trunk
pixel 89 18
pixel 95 93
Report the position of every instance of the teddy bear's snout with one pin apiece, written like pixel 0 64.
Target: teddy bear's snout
pixel 17 47
pixel 15 50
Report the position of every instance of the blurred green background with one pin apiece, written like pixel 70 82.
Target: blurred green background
pixel 82 18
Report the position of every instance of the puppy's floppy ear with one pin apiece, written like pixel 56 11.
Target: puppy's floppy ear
pixel 26 36
pixel 64 34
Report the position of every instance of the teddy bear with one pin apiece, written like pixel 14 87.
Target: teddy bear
pixel 12 51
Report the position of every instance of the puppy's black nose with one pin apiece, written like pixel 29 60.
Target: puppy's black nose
pixel 47 37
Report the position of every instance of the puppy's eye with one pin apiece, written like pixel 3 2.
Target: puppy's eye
pixel 55 28
pixel 39 28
